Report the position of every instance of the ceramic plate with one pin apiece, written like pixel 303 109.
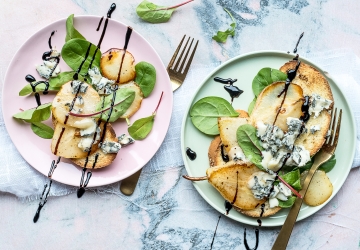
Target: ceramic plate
pixel 36 151
pixel 244 68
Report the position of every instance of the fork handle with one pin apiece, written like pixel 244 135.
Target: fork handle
pixel 285 232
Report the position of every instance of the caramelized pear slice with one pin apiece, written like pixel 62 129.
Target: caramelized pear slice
pixel 61 102
pixel 268 104
pixel 231 177
pixel 110 64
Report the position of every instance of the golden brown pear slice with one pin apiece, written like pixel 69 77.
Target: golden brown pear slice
pixel 312 82
pixel 103 159
pixel 268 104
pixel 226 179
pixel 110 65
pixel 135 106
pixel 60 104
pixel 259 211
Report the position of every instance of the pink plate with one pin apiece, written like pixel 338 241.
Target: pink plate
pixel 36 151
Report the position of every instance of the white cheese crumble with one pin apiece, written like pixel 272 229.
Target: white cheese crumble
pixel 260 183
pixel 318 104
pixel 271 136
pixel 299 157
pixel 280 192
pixel 85 143
pixel 109 147
pixel 236 154
pixel 125 140
pixel 314 128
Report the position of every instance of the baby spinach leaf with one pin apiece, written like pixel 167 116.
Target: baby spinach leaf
pixel 205 113
pixel 125 96
pixel 221 36
pixel 251 105
pixel 73 52
pixel 42 130
pixel 145 77
pixel 141 128
pixel 62 78
pixel 293 179
pixel 38 114
pixel 328 165
pixel 288 203
pixel 27 89
pixel 153 13
pixel 71 32
pixel 265 77
pixel 250 144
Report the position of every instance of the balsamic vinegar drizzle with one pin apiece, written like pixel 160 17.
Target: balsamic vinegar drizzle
pixel 190 153
pixel 256 243
pixel 295 50
pixel 233 90
pixel 212 242
pixel 228 205
pixel 127 39
pixel 97 29
pixel 224 156
pixel 30 79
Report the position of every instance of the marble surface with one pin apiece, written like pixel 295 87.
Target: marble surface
pixel 146 220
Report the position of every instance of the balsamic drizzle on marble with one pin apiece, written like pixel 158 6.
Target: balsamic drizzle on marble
pixel 233 90
pixel 190 153
pixel 212 242
pixel 295 50
pixel 256 243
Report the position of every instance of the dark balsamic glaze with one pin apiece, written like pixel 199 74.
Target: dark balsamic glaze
pixel 224 156
pixel 43 201
pixel 291 74
pixel 110 11
pixel 256 243
pixel 295 50
pixel 259 222
pixel 127 39
pixel 305 109
pixel 233 90
pixel 212 242
pixel 190 153
pixel 49 42
pixel 228 205
pixel 97 29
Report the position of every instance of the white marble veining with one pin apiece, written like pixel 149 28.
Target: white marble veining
pixel 147 220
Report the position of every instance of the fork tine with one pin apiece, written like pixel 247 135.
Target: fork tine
pixel 175 54
pixel 332 127
pixel 186 55
pixel 190 59
pixel 337 130
pixel 182 52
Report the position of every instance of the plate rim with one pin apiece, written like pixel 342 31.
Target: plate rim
pixel 186 116
pixel 12 61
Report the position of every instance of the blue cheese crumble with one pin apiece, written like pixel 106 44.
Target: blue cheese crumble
pixel 260 184
pixel 314 128
pixel 125 140
pixel 109 147
pixel 75 85
pixel 49 68
pixel 102 85
pixel 318 104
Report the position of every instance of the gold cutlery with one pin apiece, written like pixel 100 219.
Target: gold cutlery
pixel 324 154
pixel 177 69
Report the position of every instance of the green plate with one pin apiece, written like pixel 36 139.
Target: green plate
pixel 244 68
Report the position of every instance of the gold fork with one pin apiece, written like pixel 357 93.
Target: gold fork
pixel 325 153
pixel 177 76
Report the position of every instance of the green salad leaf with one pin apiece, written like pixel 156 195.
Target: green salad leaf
pixel 124 97
pixel 153 13
pixel 221 36
pixel 42 130
pixel 288 203
pixel 251 105
pixel 250 144
pixel 293 179
pixel 141 128
pixel 73 52
pixel 265 77
pixel 41 113
pixel 145 77
pixel 27 89
pixel 62 78
pixel 71 32
pixel 205 113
